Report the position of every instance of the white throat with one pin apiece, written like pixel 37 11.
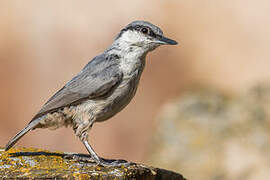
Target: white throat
pixel 131 50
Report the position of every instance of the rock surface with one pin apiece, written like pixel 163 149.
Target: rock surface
pixel 217 136
pixel 29 163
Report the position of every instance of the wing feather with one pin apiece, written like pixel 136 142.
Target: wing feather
pixel 96 80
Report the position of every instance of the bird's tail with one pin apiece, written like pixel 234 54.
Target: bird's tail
pixel 19 135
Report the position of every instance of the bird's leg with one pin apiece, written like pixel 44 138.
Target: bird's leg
pixel 82 133
pixel 95 158
pixel 81 127
pixel 81 130
pixel 91 151
pixel 102 161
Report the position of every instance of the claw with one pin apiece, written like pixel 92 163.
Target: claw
pixel 80 157
pixel 114 163
pixel 100 162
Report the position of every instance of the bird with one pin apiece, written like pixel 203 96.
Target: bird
pixel 102 88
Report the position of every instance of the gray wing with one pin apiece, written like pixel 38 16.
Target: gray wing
pixel 98 78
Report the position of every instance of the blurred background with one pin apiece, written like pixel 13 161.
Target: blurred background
pixel 223 45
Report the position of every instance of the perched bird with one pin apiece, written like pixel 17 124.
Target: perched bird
pixel 102 88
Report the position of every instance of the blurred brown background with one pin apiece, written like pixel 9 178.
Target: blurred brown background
pixel 43 44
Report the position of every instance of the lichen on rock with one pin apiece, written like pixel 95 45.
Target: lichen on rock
pixel 31 163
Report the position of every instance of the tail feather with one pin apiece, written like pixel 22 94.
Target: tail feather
pixel 19 135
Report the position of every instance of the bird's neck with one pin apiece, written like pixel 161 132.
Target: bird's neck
pixel 125 48
pixel 132 58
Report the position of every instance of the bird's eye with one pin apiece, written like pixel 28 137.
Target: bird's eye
pixel 144 30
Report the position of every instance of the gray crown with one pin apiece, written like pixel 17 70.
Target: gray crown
pixel 137 25
pixel 140 24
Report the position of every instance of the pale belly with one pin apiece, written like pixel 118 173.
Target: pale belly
pixel 91 111
pixel 103 109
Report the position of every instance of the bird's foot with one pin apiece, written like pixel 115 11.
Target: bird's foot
pixel 100 161
pixel 79 157
pixel 113 162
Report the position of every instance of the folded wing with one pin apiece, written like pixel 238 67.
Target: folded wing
pixel 97 79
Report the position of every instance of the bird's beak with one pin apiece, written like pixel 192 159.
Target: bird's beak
pixel 163 40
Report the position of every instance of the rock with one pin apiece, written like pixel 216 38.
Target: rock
pixel 217 136
pixel 29 163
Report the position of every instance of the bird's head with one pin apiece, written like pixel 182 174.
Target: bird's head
pixel 142 35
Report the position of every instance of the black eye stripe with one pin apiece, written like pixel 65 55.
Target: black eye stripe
pixel 152 34
pixel 145 30
pixel 139 29
pixel 148 31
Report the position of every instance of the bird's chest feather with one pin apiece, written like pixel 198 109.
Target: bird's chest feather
pixel 124 92
pixel 103 108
